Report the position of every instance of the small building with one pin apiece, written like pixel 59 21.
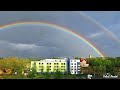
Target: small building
pixel 83 63
pixel 90 56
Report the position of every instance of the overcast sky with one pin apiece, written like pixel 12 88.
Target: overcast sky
pixel 45 42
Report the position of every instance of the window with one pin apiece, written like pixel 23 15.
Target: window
pixel 39 63
pixel 47 63
pixel 75 63
pixel 57 63
pixel 42 63
pixel 75 72
pixel 61 63
pixel 50 66
pixel 50 63
pixel 71 63
pixel 54 63
pixel 57 66
pixel 64 63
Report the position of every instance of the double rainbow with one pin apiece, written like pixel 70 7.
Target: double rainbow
pixel 58 28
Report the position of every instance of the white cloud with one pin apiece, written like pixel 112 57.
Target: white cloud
pixel 23 46
pixel 93 35
pixel 18 46
pixel 27 50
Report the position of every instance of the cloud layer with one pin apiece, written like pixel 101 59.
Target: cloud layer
pixel 36 40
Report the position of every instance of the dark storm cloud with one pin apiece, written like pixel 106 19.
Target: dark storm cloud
pixel 51 42
pixel 42 42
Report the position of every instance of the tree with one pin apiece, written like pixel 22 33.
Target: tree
pixel 58 74
pixel 76 57
pixel 74 76
pixel 32 73
pixel 47 75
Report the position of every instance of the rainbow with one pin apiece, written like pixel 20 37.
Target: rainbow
pixel 111 35
pixel 56 27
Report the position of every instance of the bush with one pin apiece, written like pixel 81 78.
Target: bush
pixel 32 73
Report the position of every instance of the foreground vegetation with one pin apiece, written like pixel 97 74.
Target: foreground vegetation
pixel 97 67
pixel 102 66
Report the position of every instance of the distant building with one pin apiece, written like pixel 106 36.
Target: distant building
pixel 83 63
pixel 90 56
pixel 74 66
pixel 50 65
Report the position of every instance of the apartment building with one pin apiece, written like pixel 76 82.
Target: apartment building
pixel 74 66
pixel 49 65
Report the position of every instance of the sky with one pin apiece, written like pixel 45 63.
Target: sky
pixel 45 42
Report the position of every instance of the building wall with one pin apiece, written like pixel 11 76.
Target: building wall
pixel 83 63
pixel 62 65
pixel 50 65
pixel 74 66
pixel 67 65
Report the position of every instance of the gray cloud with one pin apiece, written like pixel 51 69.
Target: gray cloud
pixel 42 42
pixel 36 40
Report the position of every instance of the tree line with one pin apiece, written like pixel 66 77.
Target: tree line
pixel 102 66
pixel 97 66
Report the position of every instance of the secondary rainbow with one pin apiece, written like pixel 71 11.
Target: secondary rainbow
pixel 111 35
pixel 57 27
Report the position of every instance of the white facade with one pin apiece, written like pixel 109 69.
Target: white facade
pixel 50 60
pixel 54 60
pixel 74 66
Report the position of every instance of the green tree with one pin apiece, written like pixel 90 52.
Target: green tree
pixel 47 75
pixel 58 74
pixel 32 73
pixel 76 57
